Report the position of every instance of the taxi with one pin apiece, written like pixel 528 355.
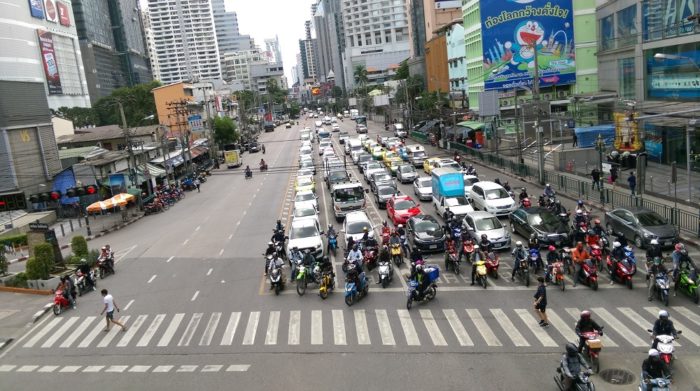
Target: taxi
pixel 393 164
pixel 429 164
pixel 377 152
pixel 305 183
pixel 388 155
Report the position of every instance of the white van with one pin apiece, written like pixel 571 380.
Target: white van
pixel 353 145
pixel 416 155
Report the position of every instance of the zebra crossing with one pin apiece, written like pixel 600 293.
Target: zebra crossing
pixel 467 328
pixel 208 368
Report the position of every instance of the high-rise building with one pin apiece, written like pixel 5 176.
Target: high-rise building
pixel 150 44
pixel 227 34
pixel 376 37
pixel 236 68
pixel 307 48
pixel 184 37
pixel 272 48
pixel 330 40
pixel 112 45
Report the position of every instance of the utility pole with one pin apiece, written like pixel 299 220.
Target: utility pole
pixel 538 128
pixel 210 122
pixel 125 129
pixel 517 131
pixel 181 111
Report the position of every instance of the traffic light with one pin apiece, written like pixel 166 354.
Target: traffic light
pixel 81 191
pixel 91 189
pixel 13 201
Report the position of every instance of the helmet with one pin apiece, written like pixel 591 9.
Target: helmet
pixel 579 202
pixel 628 248
pixel 419 267
pixel 354 246
pixel 616 244
pixel 679 246
pixel 384 223
pixel 484 237
pixel 663 314
pixel 596 221
pixel 557 202
pixel 295 248
pixel 551 248
pixel 585 314
pixel 571 349
pixel 400 226
pixel 518 244
pixel 365 229
pixel 278 221
pixel 547 185
pixel 579 211
pixel 447 208
pixel 270 244
pixel 533 235
pixel 523 189
pixel 653 353
pixel 654 241
pixel 104 247
pixel 307 251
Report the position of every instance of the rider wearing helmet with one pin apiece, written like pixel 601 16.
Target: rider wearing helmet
pixel 572 363
pixel 402 236
pixel 278 236
pixel 270 250
pixel 419 275
pixel 525 203
pixel 579 255
pixel 657 267
pixel 654 250
pixel 586 324
pixel 579 218
pixel 663 326
pixel 681 261
pixel 523 194
pixel 365 236
pixel 279 226
pixel 519 254
pixel 597 228
pixel 548 191
pixel 653 367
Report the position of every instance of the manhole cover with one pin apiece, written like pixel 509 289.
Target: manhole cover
pixel 617 376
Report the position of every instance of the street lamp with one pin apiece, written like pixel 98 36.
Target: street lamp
pixel 600 147
pixel 664 56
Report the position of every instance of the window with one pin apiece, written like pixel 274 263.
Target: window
pixel 377 37
pixel 627 26
pixel 666 18
pixel 607 34
pixel 627 71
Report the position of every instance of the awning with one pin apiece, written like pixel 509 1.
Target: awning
pixel 152 170
pixel 474 125
pixel 134 191
pixel 196 151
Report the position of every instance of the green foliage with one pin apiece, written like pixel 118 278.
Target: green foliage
pixel 18 281
pixel 44 253
pixel 138 102
pixel 81 116
pixel 402 71
pixel 92 257
pixel 294 109
pixel 14 240
pixel 79 246
pixel 361 75
pixel 224 131
pixel 36 269
pixel 337 92
pixel 3 262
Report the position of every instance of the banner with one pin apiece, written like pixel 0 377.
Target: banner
pixel 36 9
pixel 196 124
pixel 515 32
pixel 442 4
pixel 626 133
pixel 63 13
pixel 48 58
pixel 51 11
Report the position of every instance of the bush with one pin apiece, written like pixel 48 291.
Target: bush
pixel 44 253
pixel 19 281
pixel 3 262
pixel 36 269
pixel 14 240
pixel 79 246
pixel 92 257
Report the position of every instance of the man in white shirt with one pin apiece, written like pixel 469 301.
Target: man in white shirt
pixel 109 307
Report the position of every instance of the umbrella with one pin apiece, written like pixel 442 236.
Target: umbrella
pixel 375 92
pixel 118 200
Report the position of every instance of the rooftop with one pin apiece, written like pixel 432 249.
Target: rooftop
pixel 108 132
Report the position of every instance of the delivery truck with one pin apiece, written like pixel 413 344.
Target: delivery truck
pixel 232 158
pixel 448 192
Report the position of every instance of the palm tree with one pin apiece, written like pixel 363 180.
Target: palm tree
pixel 361 75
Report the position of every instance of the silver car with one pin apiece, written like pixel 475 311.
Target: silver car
pixel 406 173
pixel 423 188
pixel 484 223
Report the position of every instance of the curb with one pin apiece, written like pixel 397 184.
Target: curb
pixel 41 312
pixel 5 342
pixel 24 290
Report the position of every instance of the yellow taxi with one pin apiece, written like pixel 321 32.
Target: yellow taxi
pixel 369 145
pixel 429 164
pixel 388 155
pixel 305 183
pixel 393 164
pixel 377 152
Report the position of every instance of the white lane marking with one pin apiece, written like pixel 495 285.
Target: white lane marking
pixel 153 277
pixel 194 297
pixel 272 328
pixel 576 314
pixel 409 330
pixel 139 368
pixel 567 331
pixel 211 368
pixel 316 327
pixel 70 369
pixel 197 229
pixel 185 242
pixel 187 368
pixel 170 259
pixel 190 329
pixel 85 342
pixel 162 369
pixel 7 368
pixel 251 328
pixel 150 331
pixel 209 271
pixel 237 368
pixel 209 331
pixel 361 327
pixel 126 307
pixel 113 331
pixel 132 330
pixel 432 327
pixel 93 368
pixel 536 329
pixel 294 328
pixel 619 328
pixel 116 368
pixel 231 236
pixel 483 327
pixel 230 330
pixel 170 330
pixel 688 333
pixel 125 254
pixel 54 322
pixel 384 327
pixel 339 328
pixel 695 318
pixel 27 368
pixel 221 252
pixel 508 326
pixel 48 368
pixel 67 324
pixel 457 327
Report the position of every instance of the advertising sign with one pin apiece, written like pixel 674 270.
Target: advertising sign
pixel 441 4
pixel 36 8
pixel 63 13
pixel 48 58
pixel 195 121
pixel 51 11
pixel 675 77
pixel 626 133
pixel 516 33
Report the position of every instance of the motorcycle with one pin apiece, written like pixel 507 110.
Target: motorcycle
pixel 580 231
pixel 661 287
pixel 555 274
pixel 535 259
pixel 83 283
pixel 153 207
pixel 370 257
pixel 492 262
pixel 249 174
pixel 303 276
pixel 590 274
pixel 452 260
pixel 481 273
pixel 597 256
pixel 565 256
pixel 263 167
pixel 468 249
pixel 658 384
pixel 592 348
pixel 582 381
pixel 664 344
pixel 352 292
pixel 276 277
pixel 456 231
pixel 688 284
pixel 60 303
pixel 327 284
pixel 333 243
pixel 279 248
pixel 621 273
pixel 105 267
pixel 432 272
pixel 385 238
pixel 396 254
pixel 523 272
pixel 386 273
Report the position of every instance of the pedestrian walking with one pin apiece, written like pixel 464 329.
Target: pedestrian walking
pixel 595 175
pixel 541 302
pixel 197 183
pixel 632 181
pixel 109 307
pixel 613 174
pixel 575 140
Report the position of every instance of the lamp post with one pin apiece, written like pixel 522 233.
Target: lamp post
pixel 600 147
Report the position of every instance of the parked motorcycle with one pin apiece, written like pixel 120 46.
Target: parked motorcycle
pixel 688 284
pixel 60 303
pixel 592 348
pixel 83 283
pixel 589 274
pixel 396 254
pixel 354 293
pixel 492 262
pixel 621 271
pixel 386 273
pixel 481 273
pixel 661 287
pixel 664 344
pixel 327 284
pixel 432 272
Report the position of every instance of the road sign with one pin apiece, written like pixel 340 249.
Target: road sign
pixel 39 226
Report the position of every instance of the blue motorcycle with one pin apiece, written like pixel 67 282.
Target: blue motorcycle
pixel 534 258
pixel 332 243
pixel 352 293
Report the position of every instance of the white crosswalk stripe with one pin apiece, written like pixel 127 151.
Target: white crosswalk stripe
pixel 438 328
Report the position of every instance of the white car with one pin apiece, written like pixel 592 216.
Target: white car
pixel 306 196
pixel 423 188
pixel 354 225
pixel 469 181
pixel 305 233
pixel 335 128
pixel 304 150
pixel 372 167
pixel 305 209
pixel 493 198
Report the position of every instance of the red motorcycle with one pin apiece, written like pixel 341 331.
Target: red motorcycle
pixel 597 255
pixel 452 259
pixel 621 273
pixel 592 348
pixel 370 257
pixel 386 235
pixel 468 249
pixel 556 274
pixel 590 274
pixel 60 303
pixel 492 262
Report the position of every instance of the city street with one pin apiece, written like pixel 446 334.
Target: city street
pixel 199 311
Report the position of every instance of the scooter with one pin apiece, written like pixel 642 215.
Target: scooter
pixel 276 278
pixel 492 262
pixel 688 284
pixel 661 287
pixel 263 167
pixel 249 174
pixel 658 384
pixel 333 243
pixel 481 273
pixel 468 249
pixel 452 260
pixel 432 273
pixel 592 348
pixel 396 254
pixel 582 381
pixel 105 267
pixel 60 303
pixel 370 257
pixel 327 284
pixel 535 259
pixel 523 272
pixel 597 255
pixel 354 293
pixel 83 283
pixel 664 344
pixel 555 274
pixel 386 273
pixel 621 271
pixel 590 274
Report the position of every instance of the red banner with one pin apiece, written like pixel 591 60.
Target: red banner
pixel 63 13
pixel 51 13
pixel 48 58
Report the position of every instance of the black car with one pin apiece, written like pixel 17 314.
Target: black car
pixel 336 176
pixel 548 227
pixel 365 157
pixel 640 226
pixel 379 179
pixel 253 147
pixel 426 233
pixel 383 193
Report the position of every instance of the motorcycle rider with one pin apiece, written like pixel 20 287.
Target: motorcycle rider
pixel 586 325
pixel 654 250
pixel 279 226
pixel 581 205
pixel 107 257
pixel 85 269
pixel 506 186
pixel 523 194
pixel 653 367
pixel 558 208
pixel 295 256
pixel 275 262
pixel 552 256
pixel 402 237
pixel 365 237
pixel 450 247
pixel 657 267
pixel 309 261
pixel 355 256
pixel 533 242
pixel 449 215
pixel 681 261
pixel 548 191
pixel 579 218
pixel 386 231
pixel 572 363
pixel 465 240
pixel 663 326
pixel 519 254
pixel 579 255
pixel 471 170
pixel 248 172
pixel 598 229
pixel 68 288
pixel 419 275
pixel 263 165
pixel 330 233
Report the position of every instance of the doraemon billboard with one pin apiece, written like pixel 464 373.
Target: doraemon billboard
pixel 513 31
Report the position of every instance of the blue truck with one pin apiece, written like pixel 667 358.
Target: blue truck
pixel 448 191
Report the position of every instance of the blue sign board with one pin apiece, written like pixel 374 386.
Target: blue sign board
pixel 514 32
pixel 36 8
pixel 674 78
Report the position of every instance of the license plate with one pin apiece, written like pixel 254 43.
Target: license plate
pixel 433 246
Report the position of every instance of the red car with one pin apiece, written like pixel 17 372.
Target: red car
pixel 400 208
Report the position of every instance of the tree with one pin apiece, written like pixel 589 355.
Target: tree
pixel 138 102
pixel 79 246
pixel 80 116
pixel 39 266
pixel 224 131
pixel 361 75
pixel 3 262
pixel 402 71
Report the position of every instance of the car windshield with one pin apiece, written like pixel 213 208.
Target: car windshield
pixel 430 228
pixel 488 223
pixel 389 155
pixel 307 163
pixel 405 169
pixel 357 227
pixel 304 181
pixel 424 182
pixel 455 201
pixel 337 175
pixel 418 154
pixel 496 194
pixel 404 204
pixel 543 220
pixel 363 158
pixel 650 219
pixel 305 197
pixel 303 231
pixel 304 211
pixel 382 177
pixel 347 195
pixel 387 190
pixel 373 165
pixel 470 181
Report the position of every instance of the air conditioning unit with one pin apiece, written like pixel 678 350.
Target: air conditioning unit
pixel 561 94
pixel 547 96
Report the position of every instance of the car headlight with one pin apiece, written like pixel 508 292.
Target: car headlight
pixel 649 235
pixel 541 237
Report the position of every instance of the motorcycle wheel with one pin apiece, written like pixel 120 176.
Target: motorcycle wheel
pixel 57 309
pixel 102 273
pixel 431 293
pixel 277 290
pixel 80 292
pixel 495 274
pixel 696 297
pixel 301 286
pixel 595 363
pixel 349 300
pixel 323 292
pixel 483 282
pixel 594 285
pixel 409 303
pixel 456 268
pixel 526 277
pixel 385 283
pixel 563 284
pixel 664 297
pixel 629 283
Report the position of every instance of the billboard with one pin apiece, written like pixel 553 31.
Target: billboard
pixel 626 133
pixel 63 13
pixel 48 58
pixel 515 32
pixel 51 11
pixel 36 8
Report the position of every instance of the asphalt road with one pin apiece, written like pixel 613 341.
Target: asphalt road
pixel 200 314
